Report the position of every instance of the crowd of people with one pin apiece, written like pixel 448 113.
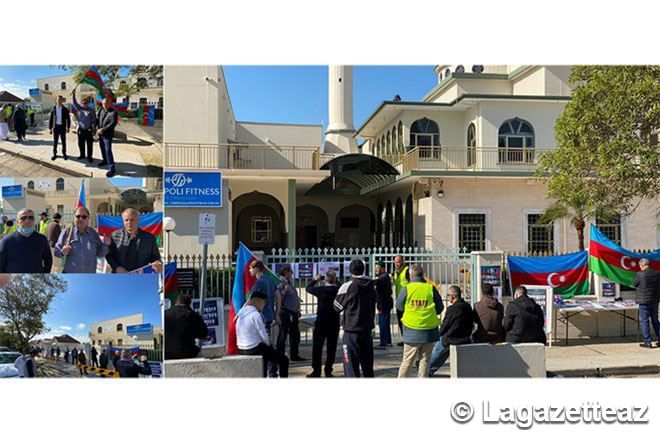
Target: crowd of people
pixel 352 307
pixel 30 247
pixel 92 124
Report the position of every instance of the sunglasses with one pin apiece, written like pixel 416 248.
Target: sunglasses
pixel 26 217
pixel 82 216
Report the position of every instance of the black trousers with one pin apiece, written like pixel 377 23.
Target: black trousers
pixel 85 137
pixel 399 315
pixel 269 354
pixel 59 131
pixel 358 352
pixel 289 328
pixel 324 332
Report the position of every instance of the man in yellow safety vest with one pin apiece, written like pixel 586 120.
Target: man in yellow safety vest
pixel 420 304
pixel 401 278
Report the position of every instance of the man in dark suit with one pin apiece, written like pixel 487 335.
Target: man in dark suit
pixel 647 283
pixel 126 367
pixel 183 326
pixel 132 248
pixel 59 123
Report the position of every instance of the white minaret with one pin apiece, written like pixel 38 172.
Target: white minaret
pixel 339 135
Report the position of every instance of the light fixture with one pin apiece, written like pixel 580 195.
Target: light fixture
pixel 441 194
pixel 169 224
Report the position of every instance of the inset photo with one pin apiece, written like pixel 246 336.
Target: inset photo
pixel 81 121
pixel 72 225
pixel 80 326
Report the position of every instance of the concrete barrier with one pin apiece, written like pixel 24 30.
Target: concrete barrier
pixel 501 360
pixel 230 366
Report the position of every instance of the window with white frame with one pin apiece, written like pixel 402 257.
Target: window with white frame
pixel 611 228
pixel 516 141
pixel 540 236
pixel 472 232
pixel 262 229
pixel 471 144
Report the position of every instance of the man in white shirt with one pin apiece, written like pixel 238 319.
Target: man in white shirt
pixel 251 336
pixel 59 124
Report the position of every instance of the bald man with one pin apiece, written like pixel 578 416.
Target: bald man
pixel 25 250
pixel 132 248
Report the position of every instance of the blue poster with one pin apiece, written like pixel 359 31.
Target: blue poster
pixel 34 92
pixel 12 192
pixel 193 190
pixel 139 329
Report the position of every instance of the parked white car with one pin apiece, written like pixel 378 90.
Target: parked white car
pixel 7 359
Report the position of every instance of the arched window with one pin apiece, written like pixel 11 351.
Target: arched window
pixel 159 82
pixel 378 148
pixel 426 134
pixel 400 138
pixel 387 240
pixel 408 227
pixel 516 141
pixel 59 184
pixel 471 144
pixel 45 87
pixel 398 223
pixel 389 144
pixel 379 225
pixel 99 330
pixel 395 149
pixel 63 85
pixel 120 327
pixel 30 184
pixel 447 73
pixel 460 69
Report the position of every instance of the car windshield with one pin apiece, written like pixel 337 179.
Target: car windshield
pixel 8 358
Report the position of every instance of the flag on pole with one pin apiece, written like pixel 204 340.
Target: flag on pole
pixel 121 108
pixel 171 281
pixel 243 282
pixel 93 78
pixel 81 197
pixel 567 274
pixel 613 262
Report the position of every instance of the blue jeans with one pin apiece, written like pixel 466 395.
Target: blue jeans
pixel 646 312
pixel 384 326
pixel 439 356
pixel 106 151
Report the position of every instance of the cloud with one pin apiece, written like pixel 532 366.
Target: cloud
pixel 15 88
pixel 80 326
pixel 66 328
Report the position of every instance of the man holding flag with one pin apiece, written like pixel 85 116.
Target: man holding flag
pixel 86 119
pixel 81 245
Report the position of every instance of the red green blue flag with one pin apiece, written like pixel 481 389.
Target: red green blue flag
pixel 568 275
pixel 81 196
pixel 93 78
pixel 151 223
pixel 147 115
pixel 613 262
pixel 171 281
pixel 243 283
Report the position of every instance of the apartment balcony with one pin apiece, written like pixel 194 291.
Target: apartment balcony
pixel 469 160
pixel 244 157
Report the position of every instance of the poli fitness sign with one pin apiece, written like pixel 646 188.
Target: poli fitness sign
pixel 193 190
pixel 12 192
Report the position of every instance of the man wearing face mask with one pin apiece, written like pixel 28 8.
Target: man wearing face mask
pixel 81 245
pixel 25 251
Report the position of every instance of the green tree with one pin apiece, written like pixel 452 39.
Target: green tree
pixel 24 301
pixel 607 158
pixel 130 88
pixel 110 73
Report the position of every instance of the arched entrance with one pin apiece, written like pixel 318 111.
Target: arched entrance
pixel 311 227
pixel 258 221
pixel 354 227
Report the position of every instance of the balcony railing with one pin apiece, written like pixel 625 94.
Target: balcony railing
pixel 244 157
pixel 471 159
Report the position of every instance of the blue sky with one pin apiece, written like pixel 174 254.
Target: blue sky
pixel 93 298
pixel 18 79
pixel 299 94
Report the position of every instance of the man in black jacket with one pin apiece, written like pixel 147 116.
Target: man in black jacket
pixel 455 329
pixel 384 304
pixel 106 121
pixel 647 283
pixel 59 124
pixel 132 248
pixel 126 367
pixel 357 300
pixel 182 327
pixel 524 319
pixel 326 326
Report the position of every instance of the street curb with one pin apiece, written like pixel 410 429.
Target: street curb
pixel 59 168
pixel 629 370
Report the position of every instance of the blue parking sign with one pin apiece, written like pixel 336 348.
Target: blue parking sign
pixel 193 190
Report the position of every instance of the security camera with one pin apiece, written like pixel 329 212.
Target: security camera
pixel 206 78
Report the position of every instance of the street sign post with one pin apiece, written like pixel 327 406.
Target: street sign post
pixel 206 236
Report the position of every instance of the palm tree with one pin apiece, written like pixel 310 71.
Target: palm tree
pixel 130 88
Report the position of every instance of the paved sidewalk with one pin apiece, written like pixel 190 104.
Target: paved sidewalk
pixel 137 152
pixel 581 358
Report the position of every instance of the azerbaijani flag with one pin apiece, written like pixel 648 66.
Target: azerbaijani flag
pixel 171 281
pixel 567 274
pixel 152 223
pixel 122 108
pixel 93 78
pixel 81 197
pixel 146 115
pixel 613 262
pixel 243 282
